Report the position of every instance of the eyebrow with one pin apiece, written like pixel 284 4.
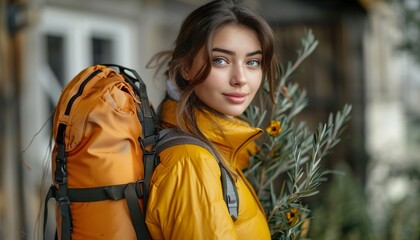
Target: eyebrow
pixel 233 53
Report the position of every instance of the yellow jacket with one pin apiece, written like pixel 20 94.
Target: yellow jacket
pixel 186 200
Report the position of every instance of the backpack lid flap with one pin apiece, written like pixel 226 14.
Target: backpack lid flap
pixel 89 95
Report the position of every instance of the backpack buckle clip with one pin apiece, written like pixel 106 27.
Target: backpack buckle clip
pixel 139 186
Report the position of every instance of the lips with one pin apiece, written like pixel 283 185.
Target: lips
pixel 236 98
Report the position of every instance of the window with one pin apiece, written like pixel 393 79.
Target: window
pixel 55 56
pixel 102 50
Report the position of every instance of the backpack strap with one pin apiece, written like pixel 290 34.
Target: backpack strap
pixel 137 216
pixel 60 177
pixel 170 137
pixel 230 193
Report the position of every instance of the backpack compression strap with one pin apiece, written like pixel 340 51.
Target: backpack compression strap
pixel 131 192
pixel 60 176
pixel 170 137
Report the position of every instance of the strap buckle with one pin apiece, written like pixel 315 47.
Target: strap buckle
pixel 149 141
pixel 64 201
pixel 61 168
pixel 139 187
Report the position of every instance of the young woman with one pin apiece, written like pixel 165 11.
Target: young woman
pixel 223 53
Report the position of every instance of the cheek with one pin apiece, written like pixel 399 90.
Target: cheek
pixel 215 79
pixel 256 82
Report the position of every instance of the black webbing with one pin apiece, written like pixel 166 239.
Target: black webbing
pixel 115 192
pixel 137 216
pixel 61 179
pixel 148 159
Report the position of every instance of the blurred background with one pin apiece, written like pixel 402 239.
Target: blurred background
pixel 368 56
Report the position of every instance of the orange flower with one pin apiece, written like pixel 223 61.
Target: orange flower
pixel 292 215
pixel 275 128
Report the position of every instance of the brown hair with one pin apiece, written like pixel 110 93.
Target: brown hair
pixel 197 32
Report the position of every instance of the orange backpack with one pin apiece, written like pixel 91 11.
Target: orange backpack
pixel 106 148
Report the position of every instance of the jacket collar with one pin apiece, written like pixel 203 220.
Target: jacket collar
pixel 230 135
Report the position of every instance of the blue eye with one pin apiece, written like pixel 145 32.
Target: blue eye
pixel 254 63
pixel 219 61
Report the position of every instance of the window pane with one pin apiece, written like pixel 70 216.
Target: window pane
pixel 55 59
pixel 102 50
pixel 55 56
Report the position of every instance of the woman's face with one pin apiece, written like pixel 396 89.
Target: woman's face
pixel 236 71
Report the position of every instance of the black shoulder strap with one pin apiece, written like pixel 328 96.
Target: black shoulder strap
pixel 170 137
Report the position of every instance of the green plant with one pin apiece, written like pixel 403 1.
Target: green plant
pixel 287 167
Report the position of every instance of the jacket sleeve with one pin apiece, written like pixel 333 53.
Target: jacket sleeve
pixel 186 200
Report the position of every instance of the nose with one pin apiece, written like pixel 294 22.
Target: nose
pixel 238 77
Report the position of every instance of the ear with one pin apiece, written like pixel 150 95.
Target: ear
pixel 185 72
